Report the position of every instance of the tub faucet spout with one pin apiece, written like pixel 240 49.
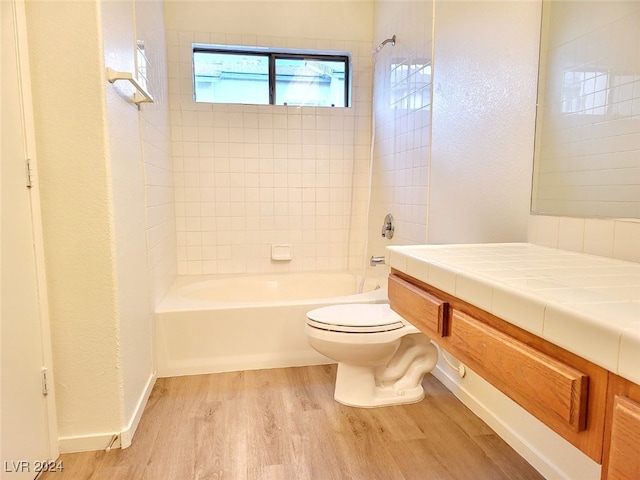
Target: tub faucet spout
pixel 376 260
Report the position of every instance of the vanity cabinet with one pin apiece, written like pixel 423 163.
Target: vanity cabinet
pixel 564 391
pixel 621 459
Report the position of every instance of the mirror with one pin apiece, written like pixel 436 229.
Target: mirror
pixel 587 149
pixel 142 64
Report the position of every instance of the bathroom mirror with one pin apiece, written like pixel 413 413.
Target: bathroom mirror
pixel 587 148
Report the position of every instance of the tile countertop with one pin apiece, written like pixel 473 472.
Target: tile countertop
pixel 586 304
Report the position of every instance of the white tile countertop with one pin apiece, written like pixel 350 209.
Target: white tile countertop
pixel 586 304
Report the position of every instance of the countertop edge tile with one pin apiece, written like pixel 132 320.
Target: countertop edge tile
pixel 629 356
pixel 417 269
pixel 519 307
pixel 442 278
pixel 474 289
pixel 582 335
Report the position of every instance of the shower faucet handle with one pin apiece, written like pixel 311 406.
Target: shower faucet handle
pixel 388 227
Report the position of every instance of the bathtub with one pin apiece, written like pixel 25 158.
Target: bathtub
pixel 222 323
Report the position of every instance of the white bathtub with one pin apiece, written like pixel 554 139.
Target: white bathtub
pixel 222 323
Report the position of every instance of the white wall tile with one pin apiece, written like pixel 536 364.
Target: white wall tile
pixel 598 238
pixel 400 164
pixel 626 240
pixel 265 173
pixel 571 234
pixel 605 237
pixel 157 150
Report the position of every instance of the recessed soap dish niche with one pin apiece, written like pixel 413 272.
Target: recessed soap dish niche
pixel 282 252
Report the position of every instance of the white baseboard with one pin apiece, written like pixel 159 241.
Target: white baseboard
pixel 88 443
pixel 100 441
pixel 240 362
pixel 127 434
pixel 546 451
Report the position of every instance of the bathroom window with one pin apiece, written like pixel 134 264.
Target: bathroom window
pixel 265 77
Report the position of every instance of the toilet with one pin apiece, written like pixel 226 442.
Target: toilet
pixel 381 357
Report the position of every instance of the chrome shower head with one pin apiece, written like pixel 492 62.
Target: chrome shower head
pixel 391 40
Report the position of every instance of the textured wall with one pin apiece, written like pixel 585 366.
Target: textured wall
pixel 93 205
pixel 127 198
pixel 484 97
pixel 77 215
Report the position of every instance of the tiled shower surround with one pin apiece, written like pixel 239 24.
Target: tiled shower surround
pixel 402 98
pixel 247 177
pixel 156 147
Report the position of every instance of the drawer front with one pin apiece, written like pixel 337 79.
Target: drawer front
pixel 425 311
pixel 552 391
pixel 624 452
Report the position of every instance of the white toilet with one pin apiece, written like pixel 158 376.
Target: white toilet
pixel 381 357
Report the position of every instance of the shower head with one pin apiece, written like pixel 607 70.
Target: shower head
pixel 391 40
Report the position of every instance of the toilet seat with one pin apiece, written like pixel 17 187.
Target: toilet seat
pixel 355 318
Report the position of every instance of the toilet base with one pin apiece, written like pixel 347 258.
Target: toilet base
pixel 397 383
pixel 356 387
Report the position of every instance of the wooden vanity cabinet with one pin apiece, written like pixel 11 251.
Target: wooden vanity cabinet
pixel 562 390
pixel 621 459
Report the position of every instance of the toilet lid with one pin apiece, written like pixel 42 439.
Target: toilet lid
pixel 355 318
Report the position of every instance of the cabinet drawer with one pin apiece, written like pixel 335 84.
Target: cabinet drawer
pixel 422 309
pixel 551 390
pixel 624 459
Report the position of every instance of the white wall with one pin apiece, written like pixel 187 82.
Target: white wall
pixel 249 176
pixel 484 97
pixel 93 205
pixel 290 19
pixel 78 235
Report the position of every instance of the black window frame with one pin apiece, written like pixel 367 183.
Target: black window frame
pixel 272 56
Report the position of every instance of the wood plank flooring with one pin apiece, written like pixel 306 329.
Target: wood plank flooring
pixel 283 424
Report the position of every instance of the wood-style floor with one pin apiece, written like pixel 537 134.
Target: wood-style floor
pixel 284 424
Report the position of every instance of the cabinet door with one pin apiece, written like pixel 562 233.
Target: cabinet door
pixel 624 450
